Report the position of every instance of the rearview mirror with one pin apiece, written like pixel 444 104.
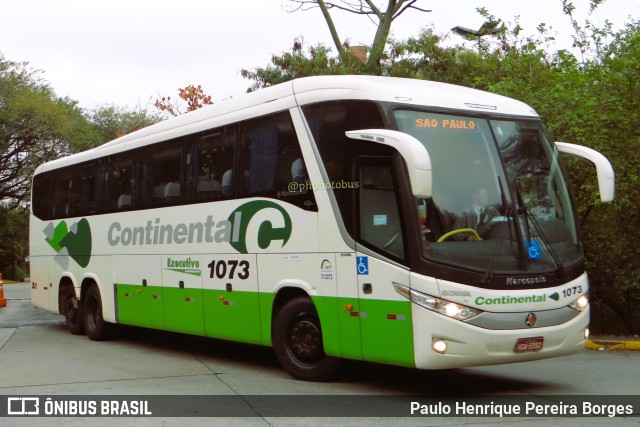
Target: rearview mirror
pixel 604 170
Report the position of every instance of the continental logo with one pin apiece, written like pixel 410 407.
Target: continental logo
pixel 232 230
pixel 516 300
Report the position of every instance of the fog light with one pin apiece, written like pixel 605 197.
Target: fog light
pixel 586 333
pixel 439 346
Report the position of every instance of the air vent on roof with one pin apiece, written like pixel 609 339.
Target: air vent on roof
pixel 481 106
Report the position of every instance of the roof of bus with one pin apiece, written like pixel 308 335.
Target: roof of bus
pixel 309 90
pixel 406 91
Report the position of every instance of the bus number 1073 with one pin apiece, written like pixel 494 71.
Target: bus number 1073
pixel 229 269
pixel 574 290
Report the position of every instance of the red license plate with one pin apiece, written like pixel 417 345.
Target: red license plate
pixel 525 345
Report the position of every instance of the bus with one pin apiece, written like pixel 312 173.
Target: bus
pixel 321 217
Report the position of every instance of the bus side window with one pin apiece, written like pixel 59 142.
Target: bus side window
pixel 209 164
pixel 120 184
pixel 62 193
pixel 271 162
pixel 160 174
pixel 42 205
pixel 86 189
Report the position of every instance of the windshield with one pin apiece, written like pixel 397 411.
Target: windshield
pixel 500 202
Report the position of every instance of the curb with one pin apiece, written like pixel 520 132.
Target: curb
pixel 612 345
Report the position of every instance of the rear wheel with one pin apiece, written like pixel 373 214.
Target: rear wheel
pixel 297 340
pixel 95 326
pixel 71 309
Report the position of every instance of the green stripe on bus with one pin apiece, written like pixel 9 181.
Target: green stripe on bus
pixel 371 330
pixel 387 332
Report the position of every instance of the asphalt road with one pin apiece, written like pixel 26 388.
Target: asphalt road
pixel 39 357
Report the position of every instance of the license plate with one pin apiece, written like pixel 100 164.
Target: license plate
pixel 525 345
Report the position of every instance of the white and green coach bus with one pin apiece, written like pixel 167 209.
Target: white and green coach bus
pixel 322 217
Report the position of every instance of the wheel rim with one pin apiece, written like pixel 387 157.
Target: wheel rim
pixel 71 309
pixel 305 342
pixel 92 313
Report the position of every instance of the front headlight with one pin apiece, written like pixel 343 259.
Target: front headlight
pixel 439 305
pixel 580 304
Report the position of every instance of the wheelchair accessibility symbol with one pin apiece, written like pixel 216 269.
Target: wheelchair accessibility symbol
pixel 533 249
pixel 362 265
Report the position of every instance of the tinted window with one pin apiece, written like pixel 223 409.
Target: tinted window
pixel 160 174
pixel 256 158
pixel 41 196
pixel 328 122
pixel 271 163
pixel 210 163
pixel 119 184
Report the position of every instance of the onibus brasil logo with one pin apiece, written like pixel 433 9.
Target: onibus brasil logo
pixel 233 230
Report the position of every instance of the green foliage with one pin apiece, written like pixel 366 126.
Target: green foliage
pixel 315 61
pixel 15 237
pixel 112 122
pixel 35 126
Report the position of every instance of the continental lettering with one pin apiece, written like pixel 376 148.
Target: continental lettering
pixel 156 233
pixel 510 300
pixel 275 226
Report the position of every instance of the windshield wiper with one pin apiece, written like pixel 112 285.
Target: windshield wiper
pixel 529 218
pixel 509 212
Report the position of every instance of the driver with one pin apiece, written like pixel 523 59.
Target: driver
pixel 476 217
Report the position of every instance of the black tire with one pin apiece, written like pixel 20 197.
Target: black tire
pixel 71 309
pixel 95 326
pixel 297 340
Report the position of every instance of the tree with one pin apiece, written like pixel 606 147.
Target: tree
pixel 193 95
pixel 35 126
pixel 382 17
pixel 14 224
pixel 301 62
pixel 112 122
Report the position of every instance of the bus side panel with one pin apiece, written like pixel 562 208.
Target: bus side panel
pixel 348 306
pixel 266 310
pixel 40 281
pixel 231 299
pixel 182 294
pixel 387 332
pixel 138 281
pixel 386 319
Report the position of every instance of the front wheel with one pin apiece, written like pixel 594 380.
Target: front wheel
pixel 297 340
pixel 94 324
